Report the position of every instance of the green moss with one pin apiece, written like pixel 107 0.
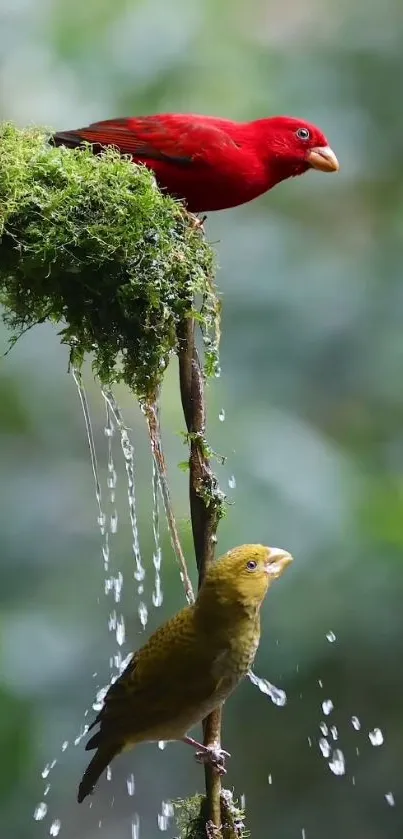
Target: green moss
pixel 92 243
pixel 192 818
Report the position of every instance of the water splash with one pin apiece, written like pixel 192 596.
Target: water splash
pixel 390 798
pixel 221 415
pixel 54 829
pixel 376 737
pixel 277 696
pixel 162 744
pixel 337 763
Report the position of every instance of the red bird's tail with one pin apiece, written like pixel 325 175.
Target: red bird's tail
pixel 66 138
pixel 99 762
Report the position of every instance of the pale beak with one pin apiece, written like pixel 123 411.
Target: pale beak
pixel 277 561
pixel 323 158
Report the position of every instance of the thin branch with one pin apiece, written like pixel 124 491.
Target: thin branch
pixel 205 507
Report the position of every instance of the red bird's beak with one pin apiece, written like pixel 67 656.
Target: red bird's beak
pixel 323 158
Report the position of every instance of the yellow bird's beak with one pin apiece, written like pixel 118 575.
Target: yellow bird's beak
pixel 277 562
pixel 323 158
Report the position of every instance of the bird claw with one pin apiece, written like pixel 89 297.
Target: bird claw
pixel 198 222
pixel 215 757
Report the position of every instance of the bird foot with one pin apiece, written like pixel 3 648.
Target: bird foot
pixel 214 756
pixel 212 831
pixel 198 222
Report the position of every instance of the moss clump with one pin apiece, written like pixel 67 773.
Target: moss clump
pixel 192 818
pixel 91 242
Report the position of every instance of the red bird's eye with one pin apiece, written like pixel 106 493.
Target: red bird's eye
pixel 251 565
pixel 303 133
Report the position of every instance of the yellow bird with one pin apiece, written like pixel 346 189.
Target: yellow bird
pixel 190 665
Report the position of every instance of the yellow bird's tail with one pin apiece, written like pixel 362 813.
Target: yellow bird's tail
pixel 99 762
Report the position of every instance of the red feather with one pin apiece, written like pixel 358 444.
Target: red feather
pixel 211 163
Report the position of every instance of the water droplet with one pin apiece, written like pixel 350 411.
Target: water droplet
pixel 320 683
pixel 157 598
pixel 334 732
pixel 117 586
pixel 55 827
pixel 355 723
pixel 309 742
pixel 376 737
pixel 120 630
pixel 242 801
pixel 353 780
pixel 277 696
pixel 46 790
pixel 40 811
pixel 113 522
pixel 108 773
pixel 327 707
pixel 357 751
pixel 130 784
pixel 221 415
pixel 167 811
pixel 232 482
pixel 270 778
pixel 45 771
pixel 390 798
pixel 303 833
pixel 337 763
pixel 136 827
pixel 324 747
pixel 324 729
pixel 143 614
pixel 162 744
pixel 330 636
pixel 65 745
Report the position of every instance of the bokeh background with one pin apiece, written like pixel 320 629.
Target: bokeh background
pixel 312 389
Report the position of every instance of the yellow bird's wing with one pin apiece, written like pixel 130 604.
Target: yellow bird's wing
pixel 172 672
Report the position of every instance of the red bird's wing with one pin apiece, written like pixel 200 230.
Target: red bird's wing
pixel 179 139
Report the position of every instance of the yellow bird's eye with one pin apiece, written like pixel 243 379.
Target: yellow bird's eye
pixel 251 565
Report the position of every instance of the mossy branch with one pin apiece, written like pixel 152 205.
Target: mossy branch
pixel 91 242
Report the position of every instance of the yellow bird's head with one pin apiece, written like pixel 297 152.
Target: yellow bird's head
pixel 244 574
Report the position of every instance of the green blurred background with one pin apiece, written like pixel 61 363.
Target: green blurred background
pixel 312 389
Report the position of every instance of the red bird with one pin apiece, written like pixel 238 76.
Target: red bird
pixel 210 163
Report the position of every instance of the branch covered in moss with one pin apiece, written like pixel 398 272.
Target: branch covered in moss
pixel 91 242
pixel 191 816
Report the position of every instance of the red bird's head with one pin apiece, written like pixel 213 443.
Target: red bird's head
pixel 294 146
